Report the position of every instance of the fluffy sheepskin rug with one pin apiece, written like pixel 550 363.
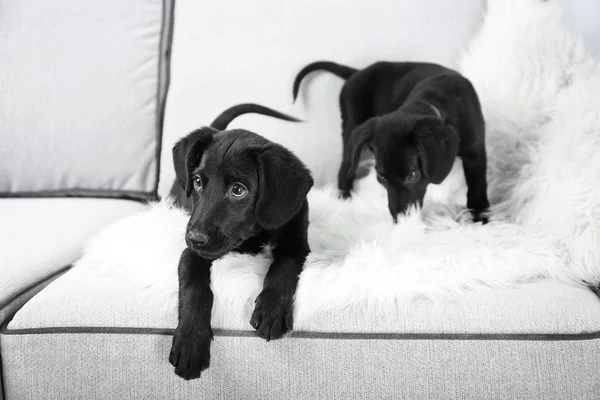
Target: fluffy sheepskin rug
pixel 540 93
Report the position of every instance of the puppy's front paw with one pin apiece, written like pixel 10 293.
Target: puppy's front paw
pixel 190 353
pixel 344 194
pixel 273 315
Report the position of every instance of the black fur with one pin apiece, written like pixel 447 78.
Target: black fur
pixel 392 109
pixel 225 118
pixel 339 70
pixel 210 164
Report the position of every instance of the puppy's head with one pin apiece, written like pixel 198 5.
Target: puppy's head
pixel 410 152
pixel 240 184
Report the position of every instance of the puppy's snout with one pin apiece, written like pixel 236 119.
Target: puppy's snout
pixel 197 239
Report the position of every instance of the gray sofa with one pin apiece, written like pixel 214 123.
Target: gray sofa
pixel 83 97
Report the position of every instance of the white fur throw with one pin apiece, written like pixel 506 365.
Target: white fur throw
pixel 540 93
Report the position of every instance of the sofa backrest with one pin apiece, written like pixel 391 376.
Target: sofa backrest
pixel 235 51
pixel 82 93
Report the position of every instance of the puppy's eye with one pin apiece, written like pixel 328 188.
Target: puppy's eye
pixel 238 190
pixel 197 183
pixel 413 177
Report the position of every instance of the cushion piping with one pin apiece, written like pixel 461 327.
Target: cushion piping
pixel 164 79
pixel 4 330
pixel 85 193
pixel 314 335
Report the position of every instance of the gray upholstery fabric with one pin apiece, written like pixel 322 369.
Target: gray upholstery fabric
pixel 122 366
pixel 39 237
pixel 83 89
pixel 83 298
pixel 9 308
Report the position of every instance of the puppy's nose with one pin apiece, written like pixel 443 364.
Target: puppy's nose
pixel 197 239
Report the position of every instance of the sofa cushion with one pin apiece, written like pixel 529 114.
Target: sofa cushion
pixel 40 237
pixel 87 298
pixel 535 341
pixel 83 89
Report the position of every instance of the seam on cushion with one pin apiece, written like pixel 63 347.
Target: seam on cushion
pixel 84 193
pixel 302 334
pixel 28 288
pixel 164 80
pixel 317 335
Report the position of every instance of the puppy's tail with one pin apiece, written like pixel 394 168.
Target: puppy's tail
pixel 232 113
pixel 337 69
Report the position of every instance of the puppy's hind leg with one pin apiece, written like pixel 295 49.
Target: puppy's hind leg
pixel 475 169
pixel 345 183
pixel 352 116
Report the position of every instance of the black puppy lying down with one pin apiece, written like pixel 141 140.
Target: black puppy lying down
pixel 245 192
pixel 416 118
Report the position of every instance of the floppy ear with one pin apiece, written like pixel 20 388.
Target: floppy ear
pixel 359 136
pixel 187 154
pixel 438 147
pixel 283 182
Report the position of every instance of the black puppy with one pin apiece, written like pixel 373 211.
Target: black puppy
pixel 246 192
pixel 416 118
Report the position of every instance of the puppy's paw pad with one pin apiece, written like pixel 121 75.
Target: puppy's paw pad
pixel 190 354
pixel 272 316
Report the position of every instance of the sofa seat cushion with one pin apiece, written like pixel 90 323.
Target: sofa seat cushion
pixel 40 237
pixel 86 298
pixel 540 340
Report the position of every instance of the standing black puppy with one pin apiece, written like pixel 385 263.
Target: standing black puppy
pixel 246 192
pixel 416 118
